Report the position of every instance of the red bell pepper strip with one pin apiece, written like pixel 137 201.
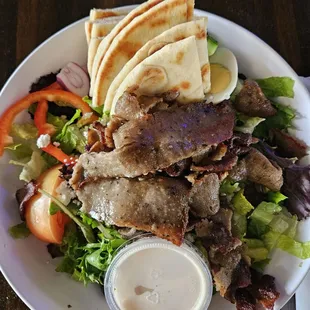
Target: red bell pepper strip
pixel 40 119
pixel 9 115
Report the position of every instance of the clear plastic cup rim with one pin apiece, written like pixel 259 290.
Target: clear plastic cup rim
pixel 146 241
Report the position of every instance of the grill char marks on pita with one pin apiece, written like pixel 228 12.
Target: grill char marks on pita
pixel 155 142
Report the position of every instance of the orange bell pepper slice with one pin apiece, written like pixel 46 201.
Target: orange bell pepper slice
pixel 9 115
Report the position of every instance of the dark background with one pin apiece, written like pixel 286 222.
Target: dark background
pixel 24 24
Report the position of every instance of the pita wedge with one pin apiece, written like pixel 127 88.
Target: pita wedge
pixel 105 44
pixel 102 27
pixel 92 49
pixel 195 28
pixel 100 14
pixel 142 29
pixel 176 66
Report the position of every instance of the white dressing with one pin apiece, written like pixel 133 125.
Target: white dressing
pixel 154 274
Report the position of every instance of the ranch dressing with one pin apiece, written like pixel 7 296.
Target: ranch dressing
pixel 154 274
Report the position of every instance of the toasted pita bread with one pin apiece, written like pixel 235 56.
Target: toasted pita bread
pixel 176 66
pixel 92 49
pixel 105 44
pixel 195 28
pixel 100 14
pixel 143 28
pixel 102 27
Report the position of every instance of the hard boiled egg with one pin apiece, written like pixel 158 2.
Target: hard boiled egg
pixel 224 75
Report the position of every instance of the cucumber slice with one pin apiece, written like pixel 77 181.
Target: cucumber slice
pixel 212 45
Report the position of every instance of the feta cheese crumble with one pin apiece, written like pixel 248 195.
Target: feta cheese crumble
pixel 88 115
pixel 43 141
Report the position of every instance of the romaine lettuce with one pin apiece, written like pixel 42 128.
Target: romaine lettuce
pixel 241 204
pixel 277 86
pixel 32 168
pixel 247 124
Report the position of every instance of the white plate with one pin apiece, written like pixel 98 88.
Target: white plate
pixel 26 263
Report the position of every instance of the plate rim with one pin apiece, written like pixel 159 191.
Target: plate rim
pixel 197 11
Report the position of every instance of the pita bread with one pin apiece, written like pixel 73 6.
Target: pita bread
pixel 174 67
pixel 143 28
pixel 195 28
pixel 102 27
pixel 105 44
pixel 99 14
pixel 92 49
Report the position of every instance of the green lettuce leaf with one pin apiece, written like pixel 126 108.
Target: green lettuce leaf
pixel 256 228
pixel 282 120
pixel 265 212
pixel 57 122
pixel 24 131
pixel 88 262
pixel 71 137
pixel 32 168
pixel 277 86
pixel 19 231
pixel 241 204
pixel 239 225
pixel 89 101
pixel 276 197
pixel 257 254
pixel 247 124
pixel 19 150
pixel 270 239
pixel 253 243
pixel 228 187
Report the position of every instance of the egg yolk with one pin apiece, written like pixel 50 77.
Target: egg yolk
pixel 220 78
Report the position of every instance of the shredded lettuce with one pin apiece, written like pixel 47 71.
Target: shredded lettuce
pixel 247 124
pixel 19 231
pixel 277 86
pixel 241 204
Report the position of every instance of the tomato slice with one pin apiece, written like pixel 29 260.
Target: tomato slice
pixel 46 227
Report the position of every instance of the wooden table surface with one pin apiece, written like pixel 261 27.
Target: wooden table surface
pixel 24 24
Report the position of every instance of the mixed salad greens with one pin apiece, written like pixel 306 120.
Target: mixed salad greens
pixel 88 247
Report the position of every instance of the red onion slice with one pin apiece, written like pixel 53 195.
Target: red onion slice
pixel 73 78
